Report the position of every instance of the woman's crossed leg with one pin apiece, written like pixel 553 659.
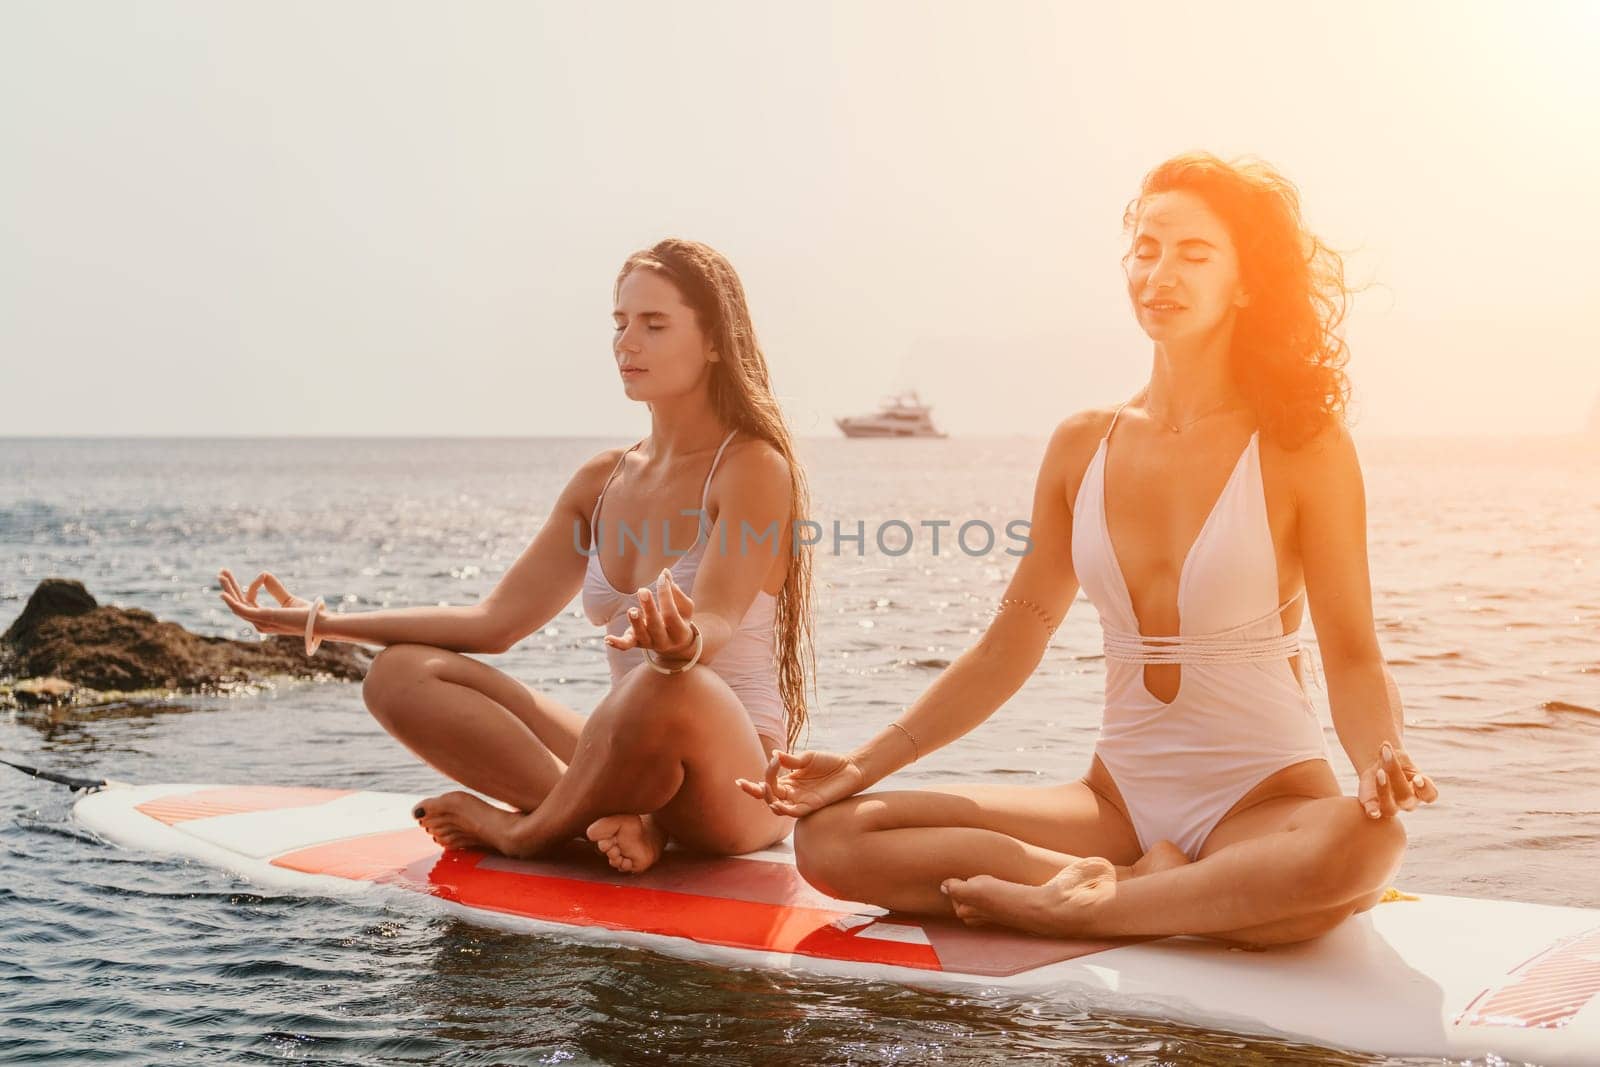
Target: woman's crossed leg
pixel 660 752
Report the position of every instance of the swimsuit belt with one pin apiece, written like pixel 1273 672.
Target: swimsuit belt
pixel 1224 646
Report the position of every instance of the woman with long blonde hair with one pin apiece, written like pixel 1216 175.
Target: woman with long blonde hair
pixel 706 609
pixel 1196 517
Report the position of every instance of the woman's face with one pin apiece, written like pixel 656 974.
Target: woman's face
pixel 658 345
pixel 1183 270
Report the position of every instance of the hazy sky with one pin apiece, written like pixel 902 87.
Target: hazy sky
pixel 392 218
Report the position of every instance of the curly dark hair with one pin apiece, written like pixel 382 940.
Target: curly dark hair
pixel 1287 356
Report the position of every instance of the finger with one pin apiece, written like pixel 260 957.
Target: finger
pixel 623 641
pixel 747 786
pixel 677 631
pixel 255 585
pixel 641 636
pixel 1368 794
pixel 242 609
pixel 1426 791
pixel 1386 803
pixel 275 587
pixel 651 610
pixel 770 778
pixel 795 760
pixel 1395 767
pixel 682 603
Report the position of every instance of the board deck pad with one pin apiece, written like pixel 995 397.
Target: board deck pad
pixel 756 904
pixel 1425 975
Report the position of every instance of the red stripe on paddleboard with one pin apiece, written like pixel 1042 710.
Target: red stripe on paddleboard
pixel 1547 990
pixel 752 925
pixel 210 803
pixel 373 858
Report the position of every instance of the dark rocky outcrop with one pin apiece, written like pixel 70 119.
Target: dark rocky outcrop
pixel 67 648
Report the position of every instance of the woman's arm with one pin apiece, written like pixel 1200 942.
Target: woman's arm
pixel 751 496
pixel 547 575
pixel 751 499
pixel 986 675
pixel 1331 527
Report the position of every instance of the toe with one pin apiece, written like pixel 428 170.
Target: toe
pixel 605 826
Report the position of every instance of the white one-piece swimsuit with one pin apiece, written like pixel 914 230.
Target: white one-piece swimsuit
pixel 1240 713
pixel 748 662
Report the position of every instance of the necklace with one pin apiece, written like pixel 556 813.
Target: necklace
pixel 1182 426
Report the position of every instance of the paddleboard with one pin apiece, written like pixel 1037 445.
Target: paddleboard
pixel 1422 975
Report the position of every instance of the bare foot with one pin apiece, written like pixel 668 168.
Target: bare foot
pixel 1163 856
pixel 631 843
pixel 1064 906
pixel 461 820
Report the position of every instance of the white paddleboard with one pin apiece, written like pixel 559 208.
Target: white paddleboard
pixel 1424 975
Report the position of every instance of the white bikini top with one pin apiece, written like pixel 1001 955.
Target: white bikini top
pixel 748 662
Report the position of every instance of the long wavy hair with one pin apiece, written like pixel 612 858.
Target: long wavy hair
pixel 741 396
pixel 1287 355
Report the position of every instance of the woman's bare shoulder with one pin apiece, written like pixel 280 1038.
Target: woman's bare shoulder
pixel 753 461
pixel 1325 465
pixel 1082 428
pixel 587 481
pixel 1073 444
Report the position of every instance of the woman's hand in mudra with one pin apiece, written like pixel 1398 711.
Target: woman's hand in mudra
pixel 288 619
pixel 660 623
pixel 800 783
pixel 1394 784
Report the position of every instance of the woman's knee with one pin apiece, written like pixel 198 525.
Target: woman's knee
pixel 1358 853
pixel 827 846
pixel 650 708
pixel 393 670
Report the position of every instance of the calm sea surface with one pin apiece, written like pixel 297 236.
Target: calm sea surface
pixel 1486 572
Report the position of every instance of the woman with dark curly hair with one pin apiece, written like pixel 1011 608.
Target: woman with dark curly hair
pixel 1196 517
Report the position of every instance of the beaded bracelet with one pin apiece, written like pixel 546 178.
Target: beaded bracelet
pixel 1038 612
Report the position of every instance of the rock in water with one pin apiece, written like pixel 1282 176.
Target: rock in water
pixel 53 598
pixel 63 633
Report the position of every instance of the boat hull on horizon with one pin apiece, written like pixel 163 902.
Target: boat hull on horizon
pixel 867 426
pixel 904 415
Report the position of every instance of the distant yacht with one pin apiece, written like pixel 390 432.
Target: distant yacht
pixel 903 415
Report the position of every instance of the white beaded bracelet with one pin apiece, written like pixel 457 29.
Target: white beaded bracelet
pixel 699 643
pixel 313 642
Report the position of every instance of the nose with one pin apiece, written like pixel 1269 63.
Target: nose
pixel 1163 275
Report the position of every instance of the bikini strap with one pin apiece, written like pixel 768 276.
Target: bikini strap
pixel 594 515
pixel 1114 416
pixel 705 490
